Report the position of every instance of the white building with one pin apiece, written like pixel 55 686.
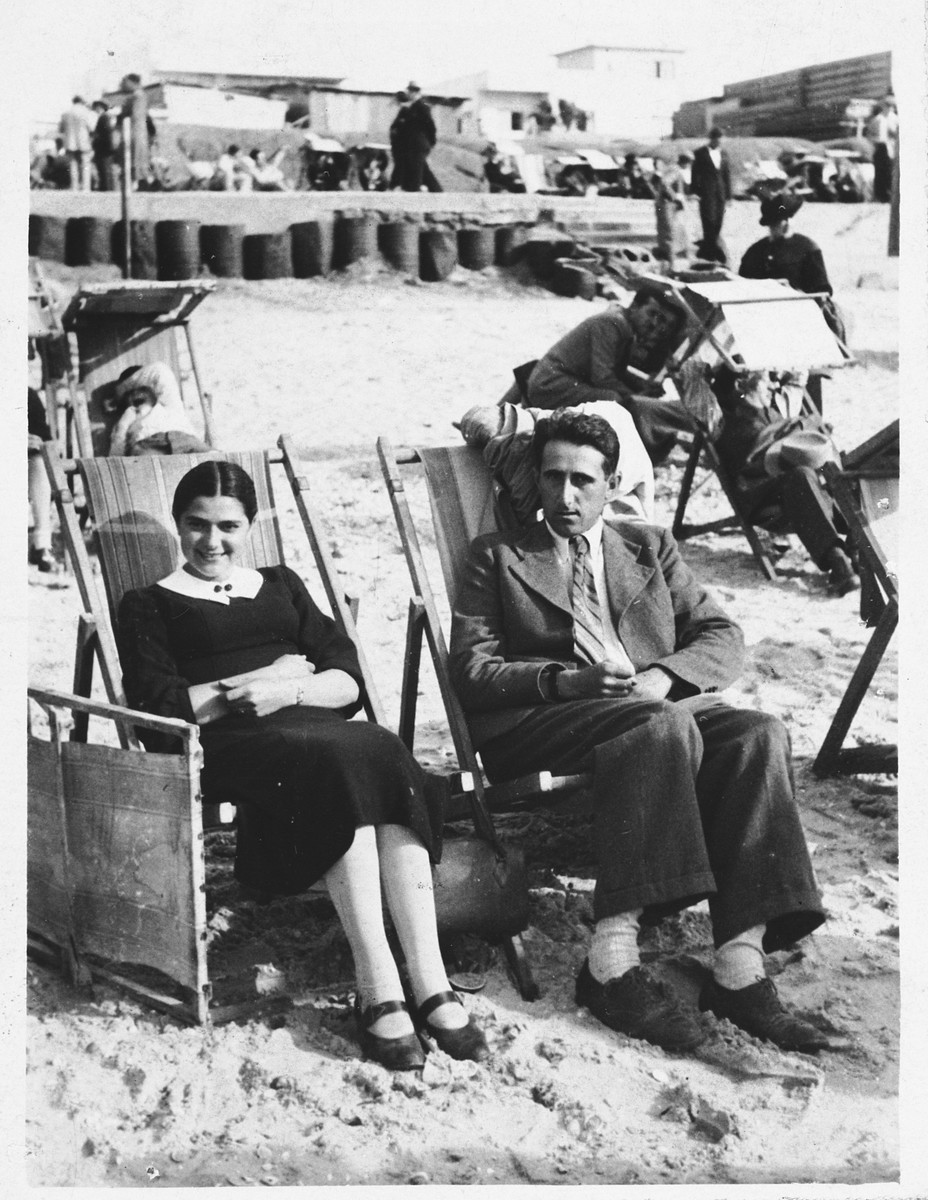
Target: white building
pixel 626 92
pixel 629 91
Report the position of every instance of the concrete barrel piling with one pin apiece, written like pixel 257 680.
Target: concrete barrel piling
pixel 88 242
pixel 47 237
pixel 355 238
pixel 476 247
pixel 178 244
pixel 144 248
pixel 438 254
pixel 267 256
pixel 221 250
pixel 312 246
pixel 398 242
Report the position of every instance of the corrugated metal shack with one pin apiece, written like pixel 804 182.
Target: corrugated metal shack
pixel 828 100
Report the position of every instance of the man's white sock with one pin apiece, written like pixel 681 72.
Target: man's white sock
pixel 614 948
pixel 740 962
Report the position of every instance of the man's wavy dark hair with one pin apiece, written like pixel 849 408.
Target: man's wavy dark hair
pixel 582 429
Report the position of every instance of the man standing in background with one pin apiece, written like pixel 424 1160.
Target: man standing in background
pixel 136 109
pixel 74 127
pixel 711 183
pixel 412 136
pixel 883 132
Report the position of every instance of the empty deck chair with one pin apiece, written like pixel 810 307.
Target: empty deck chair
pixel 866 490
pixel 119 325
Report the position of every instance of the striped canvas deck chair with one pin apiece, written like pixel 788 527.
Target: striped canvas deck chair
pixel 134 323
pixel 463 504
pixel 866 490
pixel 126 798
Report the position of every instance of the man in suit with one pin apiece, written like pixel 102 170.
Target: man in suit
pixel 711 182
pixel 591 363
pixel 578 646
pixel 412 136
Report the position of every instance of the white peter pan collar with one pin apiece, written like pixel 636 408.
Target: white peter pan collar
pixel 242 581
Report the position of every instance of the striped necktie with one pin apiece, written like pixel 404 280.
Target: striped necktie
pixel 584 600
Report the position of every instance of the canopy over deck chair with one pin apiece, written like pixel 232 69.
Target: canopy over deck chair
pixel 866 490
pixel 120 325
pixel 747 325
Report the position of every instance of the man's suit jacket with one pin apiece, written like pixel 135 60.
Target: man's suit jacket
pixel 711 185
pixel 513 617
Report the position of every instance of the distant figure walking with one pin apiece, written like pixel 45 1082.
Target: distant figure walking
pixel 412 136
pixel 670 209
pixel 711 183
pixel 136 109
pixel 75 126
pixel 883 132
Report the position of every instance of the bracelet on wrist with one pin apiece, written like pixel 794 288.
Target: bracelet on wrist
pixel 299 694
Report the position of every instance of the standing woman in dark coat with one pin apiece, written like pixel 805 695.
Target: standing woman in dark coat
pixel 249 657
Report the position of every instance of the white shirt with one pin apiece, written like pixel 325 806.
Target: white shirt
pixel 594 536
pixel 715 153
pixel 242 581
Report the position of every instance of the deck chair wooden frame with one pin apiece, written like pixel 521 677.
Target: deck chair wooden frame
pixel 873 460
pixel 133 323
pixel 45 326
pixel 461 493
pixel 115 856
pixel 116 871
pixel 705 319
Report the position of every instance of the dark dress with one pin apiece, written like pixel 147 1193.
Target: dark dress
pixel 796 259
pixel 303 778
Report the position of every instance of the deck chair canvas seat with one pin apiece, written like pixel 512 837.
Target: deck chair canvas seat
pixel 866 490
pixel 748 325
pixel 134 323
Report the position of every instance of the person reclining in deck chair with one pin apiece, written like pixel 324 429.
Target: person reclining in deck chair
pixel 503 432
pixel 775 463
pixel 153 419
pixel 578 646
pixel 591 363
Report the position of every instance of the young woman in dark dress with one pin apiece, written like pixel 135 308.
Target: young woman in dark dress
pixel 272 682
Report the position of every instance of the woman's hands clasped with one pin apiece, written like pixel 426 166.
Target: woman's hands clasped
pixel 262 692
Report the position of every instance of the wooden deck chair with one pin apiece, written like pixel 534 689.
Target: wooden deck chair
pixel 119 325
pixel 747 325
pixel 463 505
pixel 129 500
pixel 461 494
pixel 866 491
pixel 46 331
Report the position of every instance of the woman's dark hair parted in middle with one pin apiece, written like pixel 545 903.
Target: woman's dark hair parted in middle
pixel 583 429
pixel 215 478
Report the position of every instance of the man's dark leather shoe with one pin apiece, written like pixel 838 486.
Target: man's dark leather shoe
pixel 758 1010
pixel 641 1006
